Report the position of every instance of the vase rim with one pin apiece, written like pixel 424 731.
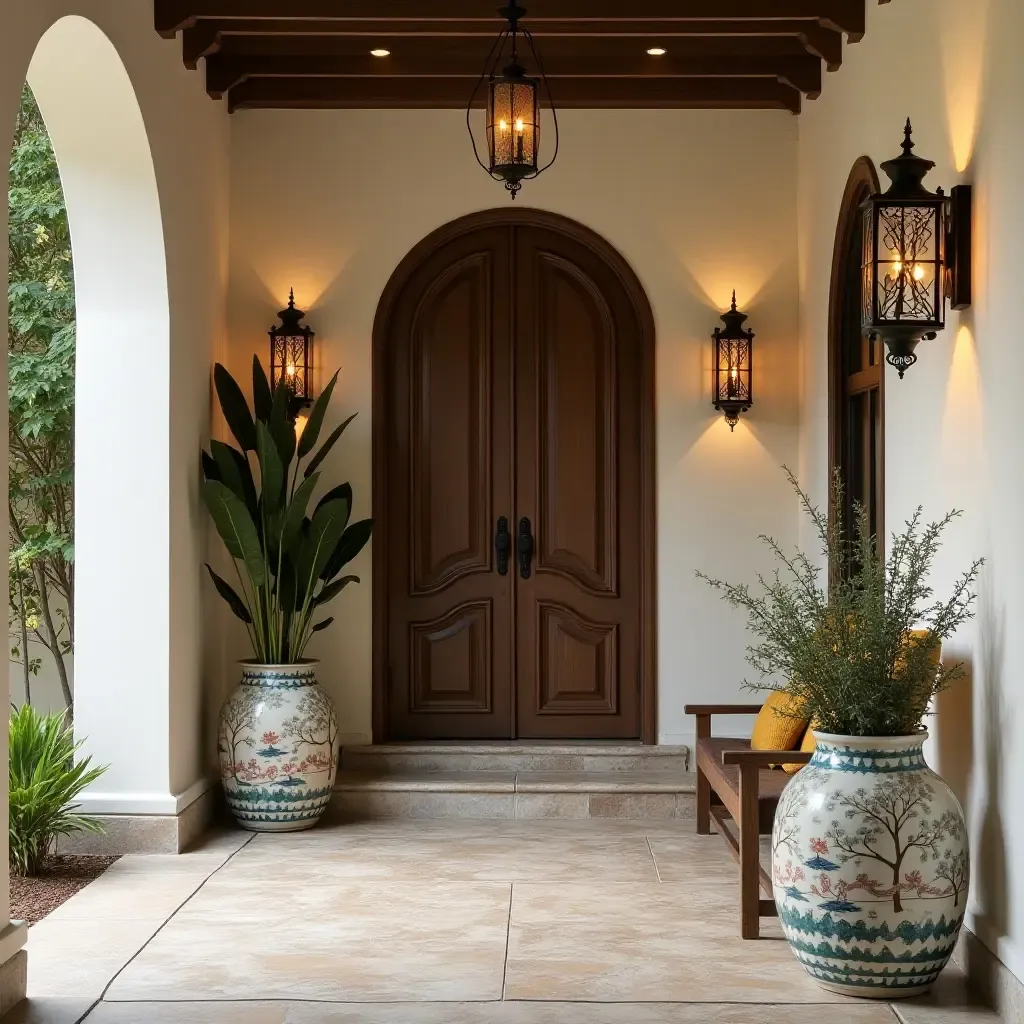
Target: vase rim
pixel 871 742
pixel 279 667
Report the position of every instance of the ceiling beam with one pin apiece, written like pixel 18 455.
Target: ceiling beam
pixel 802 72
pixel 209 36
pixel 171 16
pixel 330 93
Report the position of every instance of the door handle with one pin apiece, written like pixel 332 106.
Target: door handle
pixel 525 547
pixel 502 546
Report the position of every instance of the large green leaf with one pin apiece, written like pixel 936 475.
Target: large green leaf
pixel 311 432
pixel 282 429
pixel 322 625
pixel 328 445
pixel 332 590
pixel 211 471
pixel 292 529
pixel 342 492
pixel 235 603
pixel 352 542
pixel 236 528
pixel 235 408
pixel 271 468
pixel 262 399
pixel 325 530
pixel 235 472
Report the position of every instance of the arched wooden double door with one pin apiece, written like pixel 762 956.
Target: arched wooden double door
pixel 513 487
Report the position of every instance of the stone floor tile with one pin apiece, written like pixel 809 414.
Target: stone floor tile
pixel 372 941
pixel 479 1013
pixel 949 1002
pixel 78 959
pixel 48 1011
pixel 537 856
pixel 620 943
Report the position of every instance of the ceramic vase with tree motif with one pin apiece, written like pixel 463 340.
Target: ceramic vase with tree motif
pixel 278 748
pixel 870 866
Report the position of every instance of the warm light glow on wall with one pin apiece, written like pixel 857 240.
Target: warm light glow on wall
pixel 965 58
pixel 962 444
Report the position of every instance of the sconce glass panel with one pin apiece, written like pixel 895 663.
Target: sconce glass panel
pixel 513 125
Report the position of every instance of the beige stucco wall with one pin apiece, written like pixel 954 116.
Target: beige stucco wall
pixel 952 425
pixel 699 202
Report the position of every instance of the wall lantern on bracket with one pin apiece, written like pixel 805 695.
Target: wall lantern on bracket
pixel 513 108
pixel 917 257
pixel 732 379
pixel 291 357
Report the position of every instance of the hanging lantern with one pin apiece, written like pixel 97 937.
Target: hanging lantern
pixel 291 356
pixel 513 108
pixel 916 255
pixel 732 381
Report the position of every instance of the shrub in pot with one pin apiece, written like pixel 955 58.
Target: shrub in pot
pixel 869 848
pixel 278 734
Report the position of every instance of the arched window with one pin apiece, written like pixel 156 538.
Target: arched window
pixel 856 368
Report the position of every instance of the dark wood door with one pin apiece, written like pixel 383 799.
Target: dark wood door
pixel 450 615
pixel 513 368
pixel 577 430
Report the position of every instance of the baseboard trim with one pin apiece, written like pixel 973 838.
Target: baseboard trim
pixel 143 803
pixel 171 832
pixel 13 980
pixel 990 978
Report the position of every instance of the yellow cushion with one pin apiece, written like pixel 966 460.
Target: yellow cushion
pixel 776 727
pixel 807 747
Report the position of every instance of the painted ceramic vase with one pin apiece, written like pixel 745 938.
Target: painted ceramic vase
pixel 278 746
pixel 870 866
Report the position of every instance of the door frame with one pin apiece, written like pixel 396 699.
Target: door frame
pixel 861 183
pixel 519 217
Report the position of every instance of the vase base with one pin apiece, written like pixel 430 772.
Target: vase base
pixel 886 992
pixel 277 826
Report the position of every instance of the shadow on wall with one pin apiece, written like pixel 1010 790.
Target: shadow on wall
pixel 990 877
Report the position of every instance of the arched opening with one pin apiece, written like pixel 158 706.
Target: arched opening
pixel 513 487
pixel 856 369
pixel 121 409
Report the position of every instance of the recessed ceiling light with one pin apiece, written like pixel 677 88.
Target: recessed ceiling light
pixel 380 53
pixel 656 51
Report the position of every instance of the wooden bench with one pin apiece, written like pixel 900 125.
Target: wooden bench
pixel 735 782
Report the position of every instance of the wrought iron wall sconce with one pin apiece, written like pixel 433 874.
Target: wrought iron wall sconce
pixel 732 377
pixel 291 357
pixel 917 257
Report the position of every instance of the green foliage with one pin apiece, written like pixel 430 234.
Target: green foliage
pixel 41 394
pixel 45 779
pixel 287 560
pixel 843 646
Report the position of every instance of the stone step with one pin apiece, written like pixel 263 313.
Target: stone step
pixel 638 795
pixel 387 758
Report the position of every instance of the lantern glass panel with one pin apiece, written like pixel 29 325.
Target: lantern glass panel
pixel 867 288
pixel 733 377
pixel 513 131
pixel 292 362
pixel 909 263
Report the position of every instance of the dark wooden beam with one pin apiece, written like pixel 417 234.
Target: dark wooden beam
pixel 171 16
pixel 210 36
pixel 325 93
pixel 224 71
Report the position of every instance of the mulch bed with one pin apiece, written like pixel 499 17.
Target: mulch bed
pixel 33 898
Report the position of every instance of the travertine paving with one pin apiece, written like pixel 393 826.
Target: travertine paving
pixel 434 922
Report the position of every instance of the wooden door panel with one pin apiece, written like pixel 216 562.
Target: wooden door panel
pixel 450 630
pixel 575 350
pixel 452 659
pixel 577 665
pixel 450 428
pixel 579 382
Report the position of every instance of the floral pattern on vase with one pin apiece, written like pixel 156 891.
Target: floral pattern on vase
pixel 870 866
pixel 278 748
